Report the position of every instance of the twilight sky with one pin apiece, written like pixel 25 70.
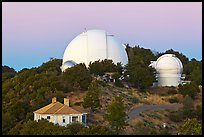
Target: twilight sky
pixel 33 32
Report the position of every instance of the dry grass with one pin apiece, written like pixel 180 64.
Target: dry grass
pixel 153 96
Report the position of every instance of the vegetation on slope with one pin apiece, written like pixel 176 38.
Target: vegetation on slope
pixel 30 89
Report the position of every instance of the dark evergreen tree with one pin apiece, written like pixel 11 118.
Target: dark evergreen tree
pixel 116 115
pixel 91 100
pixel 78 75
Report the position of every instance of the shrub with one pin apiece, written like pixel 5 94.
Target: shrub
pixel 176 116
pixel 190 127
pixel 188 107
pixel 134 100
pixel 173 100
pixel 189 89
pixel 102 83
pixel 172 91
pixel 78 103
pixel 163 94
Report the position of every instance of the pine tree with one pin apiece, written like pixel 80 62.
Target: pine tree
pixel 92 97
pixel 116 115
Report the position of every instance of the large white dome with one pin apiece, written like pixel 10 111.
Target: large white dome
pixel 93 45
pixel 169 69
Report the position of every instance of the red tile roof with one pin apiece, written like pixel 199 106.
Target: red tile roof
pixel 57 108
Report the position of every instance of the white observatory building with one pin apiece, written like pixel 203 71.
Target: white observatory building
pixel 168 70
pixel 91 46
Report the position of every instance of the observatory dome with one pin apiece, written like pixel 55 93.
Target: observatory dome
pixel 169 69
pixel 67 64
pixel 169 63
pixel 93 45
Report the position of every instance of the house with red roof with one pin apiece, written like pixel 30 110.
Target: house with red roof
pixel 58 113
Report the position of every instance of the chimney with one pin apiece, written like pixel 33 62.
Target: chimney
pixel 54 99
pixel 66 101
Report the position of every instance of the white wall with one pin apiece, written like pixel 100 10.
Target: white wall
pixel 58 119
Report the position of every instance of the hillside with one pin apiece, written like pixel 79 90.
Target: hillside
pixel 30 89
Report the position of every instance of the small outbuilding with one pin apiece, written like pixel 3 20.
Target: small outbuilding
pixel 58 113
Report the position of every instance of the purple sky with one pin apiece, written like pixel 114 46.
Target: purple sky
pixel 33 32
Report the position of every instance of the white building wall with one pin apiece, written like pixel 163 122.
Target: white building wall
pixel 58 119
pixel 68 119
pixel 168 81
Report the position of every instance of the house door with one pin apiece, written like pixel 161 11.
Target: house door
pixel 84 118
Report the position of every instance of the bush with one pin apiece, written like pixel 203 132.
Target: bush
pixel 188 107
pixel 190 127
pixel 118 83
pixel 163 94
pixel 172 91
pixel 176 116
pixel 78 76
pixel 102 83
pixel 134 100
pixel 78 103
pixel 173 100
pixel 189 89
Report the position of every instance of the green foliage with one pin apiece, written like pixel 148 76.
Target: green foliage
pixel 173 100
pixel 78 76
pixel 164 132
pixel 179 55
pixel 172 91
pixel 43 127
pixel 7 122
pixel 118 82
pixel 140 74
pixel 102 83
pixel 119 68
pixel 176 116
pixel 196 75
pixel 198 112
pixel 141 129
pixel 95 130
pixel 7 69
pixel 143 54
pixel 74 128
pixel 29 90
pixel 16 129
pixel 133 99
pixel 96 68
pixel 193 71
pixel 190 127
pixel 188 107
pixel 7 73
pixel 51 66
pixel 189 89
pixel 100 67
pixel 92 97
pixel 115 114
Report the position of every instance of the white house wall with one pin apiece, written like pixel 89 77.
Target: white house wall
pixel 58 119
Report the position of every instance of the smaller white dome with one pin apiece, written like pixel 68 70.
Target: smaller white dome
pixel 68 64
pixel 169 69
pixel 168 63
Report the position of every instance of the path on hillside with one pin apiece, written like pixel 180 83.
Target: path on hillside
pixel 136 111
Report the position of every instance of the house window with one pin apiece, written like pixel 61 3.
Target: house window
pixel 48 117
pixel 63 119
pixel 74 118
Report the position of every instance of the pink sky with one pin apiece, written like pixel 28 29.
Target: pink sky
pixel 34 27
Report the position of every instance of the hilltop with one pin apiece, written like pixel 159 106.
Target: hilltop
pixel 30 89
